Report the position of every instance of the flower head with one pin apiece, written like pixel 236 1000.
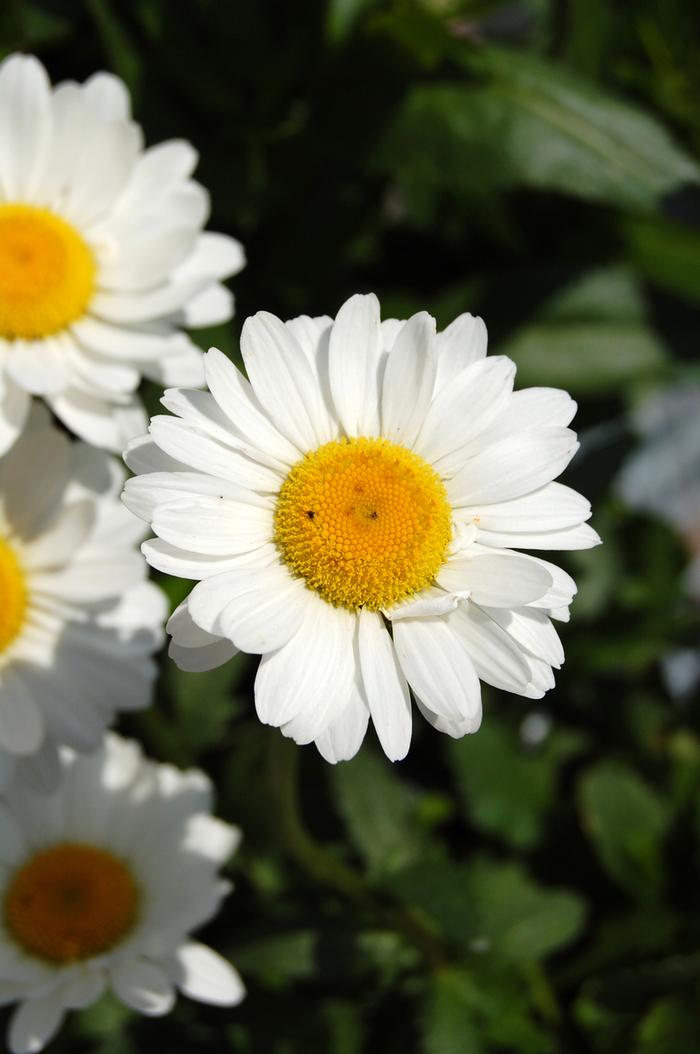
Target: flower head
pixel 78 620
pixel 102 256
pixel 350 513
pixel 101 885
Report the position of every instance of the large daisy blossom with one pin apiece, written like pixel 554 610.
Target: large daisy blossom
pixel 102 256
pixel 78 619
pixel 101 885
pixel 350 513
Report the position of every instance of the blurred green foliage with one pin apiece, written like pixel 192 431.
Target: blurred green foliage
pixel 535 888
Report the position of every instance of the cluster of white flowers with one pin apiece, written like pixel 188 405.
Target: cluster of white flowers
pixel 350 511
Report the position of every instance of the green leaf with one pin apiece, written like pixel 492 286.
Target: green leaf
pixel 380 811
pixel 341 17
pixel 670 1025
pixel 592 337
pixel 529 123
pixel 493 909
pixel 561 132
pixel 666 253
pixel 449 1023
pixel 507 787
pixel 278 959
pixel 626 822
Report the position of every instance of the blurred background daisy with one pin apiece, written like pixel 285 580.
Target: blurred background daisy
pixel 102 256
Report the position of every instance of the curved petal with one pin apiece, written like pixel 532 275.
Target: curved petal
pixel 354 365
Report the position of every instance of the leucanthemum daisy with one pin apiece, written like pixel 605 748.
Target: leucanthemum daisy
pixel 78 619
pixel 350 513
pixel 100 887
pixel 102 256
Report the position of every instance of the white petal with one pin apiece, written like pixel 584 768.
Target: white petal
pixel 13 845
pixel 216 255
pixel 147 258
pixel 25 126
pixel 34 1023
pixel 21 723
pixel 143 986
pixel 284 382
pixel 550 508
pixel 499 579
pixel 98 421
pixel 14 407
pixel 462 343
pixel 211 307
pixel 201 659
pixel 311 676
pixel 38 366
pixel 143 455
pixel 173 561
pixel 215 526
pixel 146 305
pixel 579 537
pixel 513 466
pixel 235 397
pixel 496 658
pixel 61 539
pixel 535 408
pixel 143 494
pixel 408 380
pixel 257 609
pixel 27 508
pixel 106 160
pixel 385 686
pixel 354 365
pixel 463 409
pixel 108 96
pixel 123 343
pixel 439 670
pixel 428 603
pixel 343 737
pixel 188 445
pixel 533 630
pixel 202 974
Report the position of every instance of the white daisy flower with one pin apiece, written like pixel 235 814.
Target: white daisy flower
pixel 100 887
pixel 350 512
pixel 78 620
pixel 102 256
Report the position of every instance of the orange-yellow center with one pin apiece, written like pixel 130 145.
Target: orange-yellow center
pixel 13 596
pixel 71 902
pixel 47 273
pixel 365 522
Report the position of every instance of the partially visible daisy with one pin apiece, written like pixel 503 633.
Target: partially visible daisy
pixel 78 620
pixel 350 513
pixel 102 256
pixel 101 886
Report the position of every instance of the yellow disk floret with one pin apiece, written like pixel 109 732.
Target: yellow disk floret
pixel 47 273
pixel 364 522
pixel 71 902
pixel 13 596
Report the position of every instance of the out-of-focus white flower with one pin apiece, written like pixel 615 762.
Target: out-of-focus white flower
pixel 663 476
pixel 101 886
pixel 350 513
pixel 102 256
pixel 78 619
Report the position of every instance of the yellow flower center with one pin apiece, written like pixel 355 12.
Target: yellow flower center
pixel 13 596
pixel 364 522
pixel 71 902
pixel 47 273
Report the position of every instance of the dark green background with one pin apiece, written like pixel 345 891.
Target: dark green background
pixel 533 162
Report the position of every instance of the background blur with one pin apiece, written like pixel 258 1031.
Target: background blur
pixel 534 888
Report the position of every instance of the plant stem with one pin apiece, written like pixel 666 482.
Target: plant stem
pixel 319 864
